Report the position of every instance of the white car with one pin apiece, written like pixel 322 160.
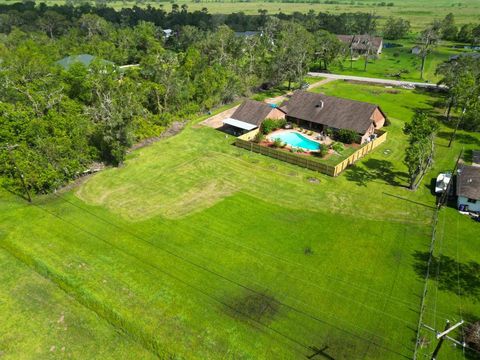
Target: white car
pixel 442 182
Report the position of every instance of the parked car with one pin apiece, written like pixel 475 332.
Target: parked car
pixel 441 185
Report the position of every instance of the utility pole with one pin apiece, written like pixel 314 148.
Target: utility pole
pixel 441 336
pixel 10 148
pixel 456 127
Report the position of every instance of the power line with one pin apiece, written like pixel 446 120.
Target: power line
pixel 176 278
pixel 290 307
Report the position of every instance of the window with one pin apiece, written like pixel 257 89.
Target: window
pixel 472 201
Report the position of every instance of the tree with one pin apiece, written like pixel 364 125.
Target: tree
pixel 428 39
pixel 465 33
pixel 419 153
pixel 292 54
pixel 396 28
pixel 472 337
pixel 448 28
pixel 462 76
pixel 53 23
pixel 328 48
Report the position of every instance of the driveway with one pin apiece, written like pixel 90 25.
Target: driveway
pixel 377 80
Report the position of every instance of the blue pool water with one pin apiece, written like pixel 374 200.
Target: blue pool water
pixel 297 140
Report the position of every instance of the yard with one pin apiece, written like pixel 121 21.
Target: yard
pixel 400 61
pixel 198 249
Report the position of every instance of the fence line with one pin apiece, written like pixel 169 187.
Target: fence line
pixel 245 142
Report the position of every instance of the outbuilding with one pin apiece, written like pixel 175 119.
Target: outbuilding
pixel 468 188
pixel 250 114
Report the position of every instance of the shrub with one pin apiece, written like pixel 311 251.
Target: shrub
pixel 277 143
pixel 473 335
pixel 346 136
pixel 338 147
pixel 259 137
pixel 269 125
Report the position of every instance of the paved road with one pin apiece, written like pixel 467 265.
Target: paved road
pixel 377 80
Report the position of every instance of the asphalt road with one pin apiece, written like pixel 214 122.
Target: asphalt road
pixel 377 80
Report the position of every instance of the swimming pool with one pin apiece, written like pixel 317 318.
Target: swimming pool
pixel 296 140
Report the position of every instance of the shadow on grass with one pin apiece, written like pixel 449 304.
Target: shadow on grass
pixel 372 170
pixel 464 139
pixel 462 279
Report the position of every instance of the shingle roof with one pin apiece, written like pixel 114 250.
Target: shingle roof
pixel 359 42
pixel 252 112
pixel 468 182
pixel 331 111
pixel 476 157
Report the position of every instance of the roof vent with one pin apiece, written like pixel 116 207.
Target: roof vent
pixel 319 105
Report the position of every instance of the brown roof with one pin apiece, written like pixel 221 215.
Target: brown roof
pixel 252 112
pixel 360 42
pixel 468 182
pixel 331 111
pixel 476 157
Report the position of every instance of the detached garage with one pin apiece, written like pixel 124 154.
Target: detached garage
pixel 250 115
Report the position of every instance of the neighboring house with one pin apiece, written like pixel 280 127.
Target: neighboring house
pixel 167 33
pixel 476 158
pixel 416 50
pixel 246 33
pixel 468 188
pixel 359 44
pixel 471 54
pixel 250 114
pixel 318 111
pixel 85 59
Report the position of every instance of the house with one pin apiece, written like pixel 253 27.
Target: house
pixel 468 188
pixel 85 59
pixel 476 158
pixel 360 44
pixel 250 114
pixel 416 50
pixel 167 33
pixel 318 111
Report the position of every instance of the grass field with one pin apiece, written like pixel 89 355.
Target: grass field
pixel 465 11
pixel 399 61
pixel 197 249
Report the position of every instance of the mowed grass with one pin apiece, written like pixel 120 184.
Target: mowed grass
pixel 198 249
pixel 399 63
pixel 40 321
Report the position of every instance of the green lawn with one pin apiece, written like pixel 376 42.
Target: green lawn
pixel 399 61
pixel 197 249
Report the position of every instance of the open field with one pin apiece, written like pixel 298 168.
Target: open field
pixel 198 249
pixel 400 61
pixel 417 12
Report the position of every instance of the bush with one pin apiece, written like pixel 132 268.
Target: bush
pixel 472 337
pixel 277 143
pixel 269 125
pixel 338 147
pixel 346 136
pixel 258 137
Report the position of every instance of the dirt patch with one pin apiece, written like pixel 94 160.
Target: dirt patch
pixel 216 121
pixel 255 306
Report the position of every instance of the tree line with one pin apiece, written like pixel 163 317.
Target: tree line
pixel 55 121
pixel 28 15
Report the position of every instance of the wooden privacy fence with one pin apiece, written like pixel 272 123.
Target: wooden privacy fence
pixel 245 142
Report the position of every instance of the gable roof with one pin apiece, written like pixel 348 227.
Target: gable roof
pixel 359 42
pixel 331 111
pixel 85 59
pixel 252 112
pixel 468 182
